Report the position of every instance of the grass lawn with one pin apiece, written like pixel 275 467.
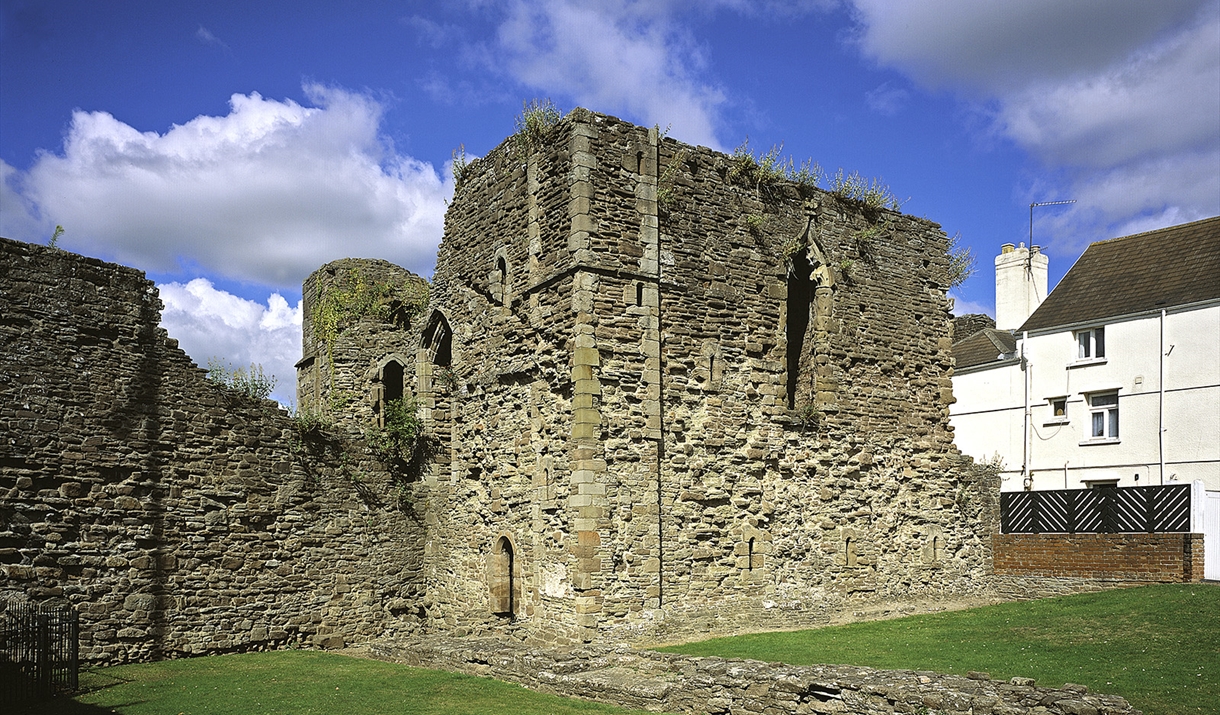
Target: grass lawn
pixel 1157 646
pixel 303 683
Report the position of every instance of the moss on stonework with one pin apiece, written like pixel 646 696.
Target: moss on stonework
pixel 351 297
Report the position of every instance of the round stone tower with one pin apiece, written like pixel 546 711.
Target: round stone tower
pixel 360 326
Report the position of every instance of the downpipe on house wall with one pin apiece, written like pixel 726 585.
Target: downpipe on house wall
pixel 1026 447
pixel 1160 416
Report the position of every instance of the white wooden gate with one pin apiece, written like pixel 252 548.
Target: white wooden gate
pixel 1211 536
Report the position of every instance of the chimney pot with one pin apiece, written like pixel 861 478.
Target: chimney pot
pixel 1020 284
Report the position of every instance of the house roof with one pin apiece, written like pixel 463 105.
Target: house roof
pixel 1132 274
pixel 985 346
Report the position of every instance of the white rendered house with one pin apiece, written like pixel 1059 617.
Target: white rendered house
pixel 1114 379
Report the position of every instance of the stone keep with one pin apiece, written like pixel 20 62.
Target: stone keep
pixel 670 393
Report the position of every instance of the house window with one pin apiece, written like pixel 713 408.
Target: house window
pixel 1103 416
pixel 1091 344
pixel 1059 411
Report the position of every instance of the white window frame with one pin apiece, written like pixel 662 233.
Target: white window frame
pixel 1103 424
pixel 1055 419
pixel 1090 345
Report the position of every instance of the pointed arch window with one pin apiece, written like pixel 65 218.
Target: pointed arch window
pixel 438 341
pixel 503 287
pixel 502 584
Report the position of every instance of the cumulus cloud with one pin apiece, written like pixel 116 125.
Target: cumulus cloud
pixel 1136 196
pixel 212 323
pixel 1162 98
pixel 627 56
pixel 18 215
pixel 996 46
pixel 1117 98
pixel 265 194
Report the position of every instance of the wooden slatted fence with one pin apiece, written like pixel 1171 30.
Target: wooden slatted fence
pixel 1105 510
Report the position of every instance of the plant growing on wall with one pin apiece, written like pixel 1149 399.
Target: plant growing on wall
pixel 961 261
pixel 461 166
pixel 310 423
pixel 755 223
pixel 58 233
pixel 870 195
pixel 765 171
pixel 534 123
pixel 251 382
pixel 350 297
pixel 665 184
pixel 400 436
pixel 447 378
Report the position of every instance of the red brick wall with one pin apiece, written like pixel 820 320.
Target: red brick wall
pixel 1129 557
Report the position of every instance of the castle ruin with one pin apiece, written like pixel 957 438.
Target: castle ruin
pixel 664 393
pixel 668 393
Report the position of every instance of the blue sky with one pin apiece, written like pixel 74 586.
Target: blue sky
pixel 229 148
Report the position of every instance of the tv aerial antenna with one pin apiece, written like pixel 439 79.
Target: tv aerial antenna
pixel 1031 215
pixel 1030 258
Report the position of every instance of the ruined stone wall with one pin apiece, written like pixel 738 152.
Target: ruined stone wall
pixel 358 343
pixel 632 416
pixel 674 683
pixel 177 516
pixel 506 287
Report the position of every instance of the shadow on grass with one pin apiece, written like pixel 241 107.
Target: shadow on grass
pixel 69 705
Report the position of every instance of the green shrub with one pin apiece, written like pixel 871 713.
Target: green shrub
pixel 461 166
pixel 251 382
pixel 401 433
pixel 767 170
pixel 961 261
pixel 535 122
pixel 873 195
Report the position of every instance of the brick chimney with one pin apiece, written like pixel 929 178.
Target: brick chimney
pixel 1020 284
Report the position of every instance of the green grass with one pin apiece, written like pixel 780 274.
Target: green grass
pixel 303 683
pixel 1157 646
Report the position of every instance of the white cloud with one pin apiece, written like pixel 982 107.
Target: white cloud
pixel 624 57
pixel 206 36
pixel 18 215
pixel 998 46
pixel 208 323
pixel 1161 98
pixel 961 306
pixel 1136 196
pixel 264 194
pixel 886 98
pixel 431 33
pixel 1118 98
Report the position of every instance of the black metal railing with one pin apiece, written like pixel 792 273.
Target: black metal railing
pixel 38 651
pixel 1104 510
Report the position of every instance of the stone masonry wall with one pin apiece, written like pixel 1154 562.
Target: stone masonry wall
pixel 177 516
pixel 1158 558
pixel 718 686
pixel 689 402
pixel 344 375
